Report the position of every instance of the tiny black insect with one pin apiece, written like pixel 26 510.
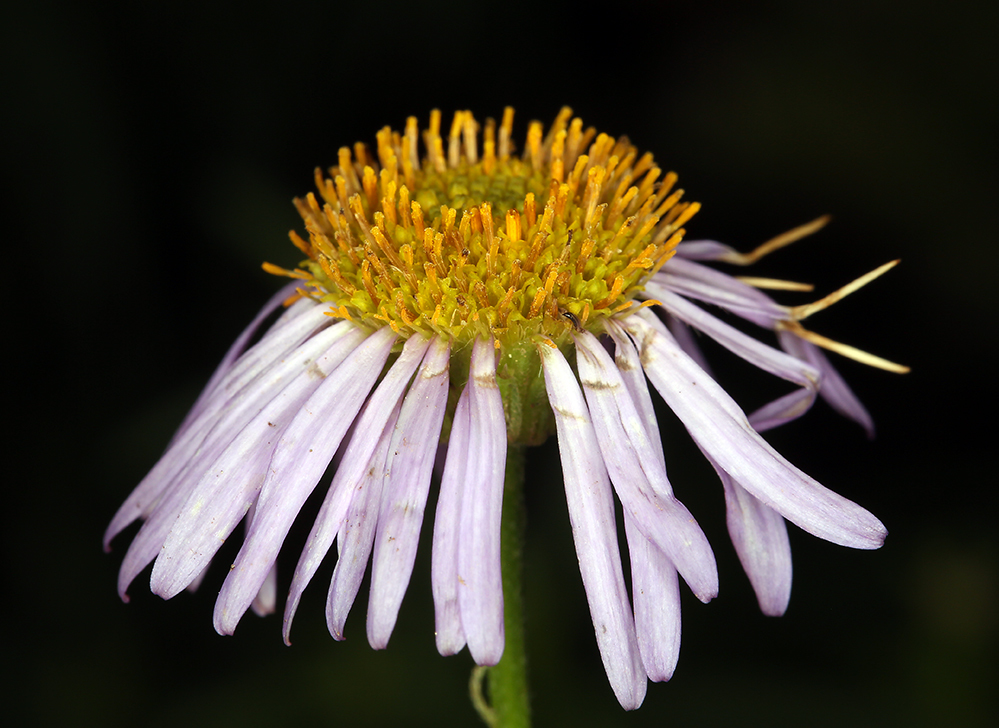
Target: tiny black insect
pixel 573 319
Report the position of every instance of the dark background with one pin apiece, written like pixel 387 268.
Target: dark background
pixel 149 160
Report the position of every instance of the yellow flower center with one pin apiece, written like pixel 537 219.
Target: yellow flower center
pixel 467 241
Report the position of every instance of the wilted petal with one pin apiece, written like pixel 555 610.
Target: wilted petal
pixel 655 588
pixel 372 425
pixel 404 492
pixel 636 472
pixel 480 582
pixel 722 430
pixel 591 513
pixel 306 448
pixel 450 635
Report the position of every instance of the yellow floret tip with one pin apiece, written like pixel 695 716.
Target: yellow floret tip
pixel 467 241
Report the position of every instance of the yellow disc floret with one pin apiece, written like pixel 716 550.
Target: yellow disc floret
pixel 468 241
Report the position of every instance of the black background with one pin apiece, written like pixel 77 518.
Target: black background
pixel 149 159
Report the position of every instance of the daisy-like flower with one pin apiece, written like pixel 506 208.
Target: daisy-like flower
pixel 473 297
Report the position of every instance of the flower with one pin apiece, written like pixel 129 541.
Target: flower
pixel 408 326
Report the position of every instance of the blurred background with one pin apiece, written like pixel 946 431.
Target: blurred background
pixel 150 154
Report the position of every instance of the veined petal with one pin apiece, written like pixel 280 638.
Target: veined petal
pixel 374 423
pixel 450 635
pixel 834 389
pixel 591 513
pixel 357 533
pixel 230 485
pixel 655 588
pixel 305 449
pixel 694 280
pixel 722 430
pixel 404 492
pixel 637 474
pixel 480 583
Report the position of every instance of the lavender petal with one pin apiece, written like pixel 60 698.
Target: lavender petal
pixel 591 513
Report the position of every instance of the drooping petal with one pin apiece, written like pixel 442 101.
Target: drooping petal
pixel 305 449
pixel 591 513
pixel 357 534
pixel 404 492
pixel 450 636
pixel 630 366
pixel 834 389
pixel 480 583
pixel 223 495
pixel 195 480
pixel 638 476
pixel 235 384
pixel 372 425
pixel 655 588
pixel 759 535
pixel 722 430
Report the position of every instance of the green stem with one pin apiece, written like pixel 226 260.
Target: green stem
pixel 509 706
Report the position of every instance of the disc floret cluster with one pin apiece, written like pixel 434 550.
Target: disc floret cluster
pixel 468 242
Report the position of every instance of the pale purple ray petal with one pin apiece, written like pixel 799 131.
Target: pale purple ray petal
pixel 759 535
pixel 237 348
pixel 196 474
pixel 266 600
pixel 630 365
pixel 834 389
pixel 639 477
pixel 655 589
pixel 752 350
pixel 357 533
pixel 722 430
pixel 480 583
pixel 694 280
pixel 684 336
pixel 591 513
pixel 404 492
pixel 222 496
pixel 704 250
pixel 782 410
pixel 450 636
pixel 305 449
pixel 381 410
pixel 233 386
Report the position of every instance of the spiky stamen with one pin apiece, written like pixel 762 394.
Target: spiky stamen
pixel 468 241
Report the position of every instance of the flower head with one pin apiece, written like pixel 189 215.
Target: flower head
pixel 446 298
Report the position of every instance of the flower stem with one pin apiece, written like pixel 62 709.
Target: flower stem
pixel 508 695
